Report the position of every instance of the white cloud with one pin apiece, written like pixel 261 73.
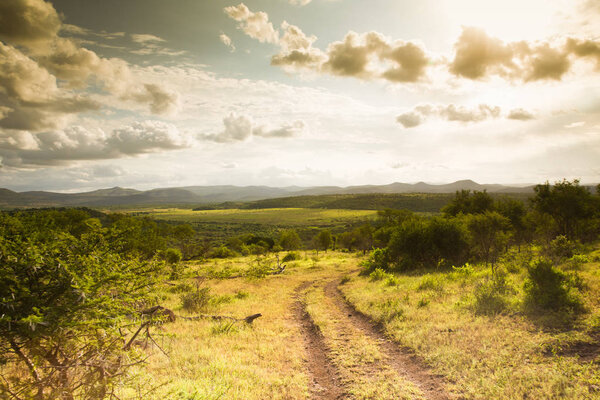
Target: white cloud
pixel 226 40
pixel 23 149
pixel 241 128
pixel 256 25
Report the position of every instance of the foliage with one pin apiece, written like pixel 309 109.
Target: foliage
pixel 491 295
pixel 67 302
pixel 548 288
pixel 570 205
pixel 323 240
pixel 428 242
pixel 560 249
pixel 221 252
pixel 289 240
pixel 291 256
pixel 196 300
pixel 489 235
pixel 465 202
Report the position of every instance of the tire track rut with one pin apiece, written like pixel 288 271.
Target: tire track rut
pixel 325 382
pixel 403 360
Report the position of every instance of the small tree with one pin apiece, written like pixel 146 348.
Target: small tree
pixel 65 308
pixel 488 235
pixel 289 240
pixel 323 240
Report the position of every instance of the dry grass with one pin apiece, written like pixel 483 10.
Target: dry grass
pixel 507 356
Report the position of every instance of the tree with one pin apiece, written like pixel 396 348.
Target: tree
pixel 66 308
pixel 323 240
pixel 289 240
pixel 515 211
pixel 488 235
pixel 568 203
pixel 465 202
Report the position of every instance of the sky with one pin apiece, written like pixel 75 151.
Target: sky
pixel 154 93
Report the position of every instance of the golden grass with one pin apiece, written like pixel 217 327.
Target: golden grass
pixel 508 356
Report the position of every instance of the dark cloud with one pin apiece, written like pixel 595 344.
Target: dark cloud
pixel 479 56
pixel 240 127
pixel 31 23
pixel 29 75
pixel 30 97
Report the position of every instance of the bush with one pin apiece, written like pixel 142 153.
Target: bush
pixel 291 256
pixel 198 300
pixel 378 275
pixel 491 295
pixel 377 260
pixel 560 249
pixel 221 252
pixel 430 282
pixel 577 260
pixel 549 288
pixel 172 255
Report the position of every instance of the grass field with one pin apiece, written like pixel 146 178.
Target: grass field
pixel 271 217
pixel 310 343
pixel 219 225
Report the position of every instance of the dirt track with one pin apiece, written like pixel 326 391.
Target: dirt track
pixel 326 381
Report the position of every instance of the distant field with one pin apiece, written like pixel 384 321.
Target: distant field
pixel 218 225
pixel 273 217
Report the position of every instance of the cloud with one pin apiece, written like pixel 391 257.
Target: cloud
pixel 146 38
pixel 299 2
pixel 256 25
pixel 520 114
pixel 31 23
pixel 226 40
pixel 24 149
pixel 241 127
pixel 479 56
pixel 29 74
pixel 454 113
pixel 30 98
pixel 366 56
pixel 585 48
pixel 410 119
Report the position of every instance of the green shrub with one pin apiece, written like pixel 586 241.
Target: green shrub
pixel 181 288
pixel 489 298
pixel 377 260
pixel 561 248
pixel 222 252
pixel 391 280
pixel 240 294
pixel 378 275
pixel 430 282
pixel 197 300
pixel 291 256
pixel 549 288
pixel 577 260
pixel 390 309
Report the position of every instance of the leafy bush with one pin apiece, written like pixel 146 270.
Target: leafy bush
pixel 377 260
pixel 577 260
pixel 291 256
pixel 172 255
pixel 490 296
pixel 430 282
pixel 197 300
pixel 560 249
pixel 549 288
pixel 391 280
pixel 378 275
pixel 222 252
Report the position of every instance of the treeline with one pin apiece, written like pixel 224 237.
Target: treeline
pixel 417 202
pixel 474 227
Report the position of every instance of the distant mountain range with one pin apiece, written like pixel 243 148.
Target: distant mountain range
pixel 219 194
